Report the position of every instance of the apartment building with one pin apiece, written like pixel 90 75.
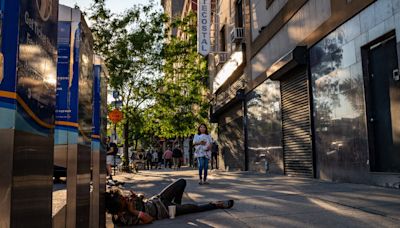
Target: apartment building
pixel 173 8
pixel 309 88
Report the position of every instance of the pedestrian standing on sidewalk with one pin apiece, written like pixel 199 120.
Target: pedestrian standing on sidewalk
pixel 132 209
pixel 155 159
pixel 112 150
pixel 168 158
pixel 149 159
pixel 214 155
pixel 176 155
pixel 160 158
pixel 202 143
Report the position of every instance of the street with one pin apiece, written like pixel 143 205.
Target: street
pixel 273 201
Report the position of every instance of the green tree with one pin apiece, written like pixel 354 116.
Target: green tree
pixel 181 103
pixel 131 44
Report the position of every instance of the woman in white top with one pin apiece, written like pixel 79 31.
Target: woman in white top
pixel 202 144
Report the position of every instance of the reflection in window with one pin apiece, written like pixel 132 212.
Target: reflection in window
pixel 264 127
pixel 338 101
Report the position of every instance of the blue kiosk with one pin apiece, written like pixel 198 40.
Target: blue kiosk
pixel 28 62
pixel 74 119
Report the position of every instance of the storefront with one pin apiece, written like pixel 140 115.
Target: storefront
pixel 356 93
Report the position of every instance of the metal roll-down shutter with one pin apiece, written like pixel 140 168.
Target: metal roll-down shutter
pixel 296 125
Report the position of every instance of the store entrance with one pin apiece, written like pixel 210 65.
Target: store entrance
pixel 383 103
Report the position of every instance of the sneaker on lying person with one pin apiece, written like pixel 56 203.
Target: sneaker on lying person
pixel 111 182
pixel 226 204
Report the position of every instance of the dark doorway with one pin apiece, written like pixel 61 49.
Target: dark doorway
pixel 383 104
pixel 296 124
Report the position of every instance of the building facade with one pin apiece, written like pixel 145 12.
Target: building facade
pixel 173 8
pixel 314 94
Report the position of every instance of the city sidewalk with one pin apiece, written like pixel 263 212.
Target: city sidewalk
pixel 273 201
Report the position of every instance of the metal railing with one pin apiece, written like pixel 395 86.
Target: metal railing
pixel 237 34
pixel 221 58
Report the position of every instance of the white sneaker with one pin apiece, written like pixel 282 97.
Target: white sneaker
pixel 111 183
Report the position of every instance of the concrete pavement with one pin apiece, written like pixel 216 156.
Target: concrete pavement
pixel 273 201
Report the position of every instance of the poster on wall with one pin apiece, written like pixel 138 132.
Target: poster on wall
pixel 96 101
pixel 63 110
pixel 36 79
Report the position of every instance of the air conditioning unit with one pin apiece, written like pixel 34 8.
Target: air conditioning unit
pixel 237 35
pixel 221 58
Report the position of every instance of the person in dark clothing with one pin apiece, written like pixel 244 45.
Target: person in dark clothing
pixel 149 158
pixel 160 158
pixel 112 151
pixel 214 155
pixel 176 156
pixel 133 209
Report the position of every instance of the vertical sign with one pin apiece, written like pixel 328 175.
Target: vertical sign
pixel 37 65
pixel 96 102
pixel 203 27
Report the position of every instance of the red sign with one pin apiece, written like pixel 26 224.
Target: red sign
pixel 115 116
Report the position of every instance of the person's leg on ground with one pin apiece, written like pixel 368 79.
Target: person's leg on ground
pixel 174 191
pixel 192 208
pixel 205 170
pixel 109 161
pixel 200 164
pixel 175 163
pixel 216 161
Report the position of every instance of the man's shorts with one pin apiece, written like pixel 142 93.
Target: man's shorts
pixel 110 159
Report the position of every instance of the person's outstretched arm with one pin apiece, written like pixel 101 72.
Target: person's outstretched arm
pixel 144 217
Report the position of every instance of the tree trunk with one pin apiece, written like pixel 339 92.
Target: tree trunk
pixel 136 144
pixel 126 145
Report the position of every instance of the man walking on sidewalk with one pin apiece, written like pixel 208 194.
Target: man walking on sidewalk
pixel 177 155
pixel 168 158
pixel 149 159
pixel 214 155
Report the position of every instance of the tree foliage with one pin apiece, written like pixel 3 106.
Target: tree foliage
pixel 181 103
pixel 131 44
pixel 161 78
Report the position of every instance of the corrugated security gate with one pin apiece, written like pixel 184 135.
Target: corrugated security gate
pixel 296 125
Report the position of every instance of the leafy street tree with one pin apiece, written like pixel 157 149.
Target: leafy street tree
pixel 131 44
pixel 181 103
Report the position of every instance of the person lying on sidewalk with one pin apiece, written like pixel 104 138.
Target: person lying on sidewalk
pixel 132 209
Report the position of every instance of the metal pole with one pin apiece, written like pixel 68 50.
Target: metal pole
pixel 246 151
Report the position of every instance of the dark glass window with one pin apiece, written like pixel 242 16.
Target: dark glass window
pixel 239 14
pixel 269 3
pixel 222 40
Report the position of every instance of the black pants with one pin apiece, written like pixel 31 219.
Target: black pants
pixel 149 164
pixel 214 157
pixel 168 162
pixel 172 195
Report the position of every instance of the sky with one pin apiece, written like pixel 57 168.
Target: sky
pixel 116 6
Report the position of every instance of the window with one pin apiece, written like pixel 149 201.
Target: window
pixel 269 3
pixel 239 14
pixel 222 40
